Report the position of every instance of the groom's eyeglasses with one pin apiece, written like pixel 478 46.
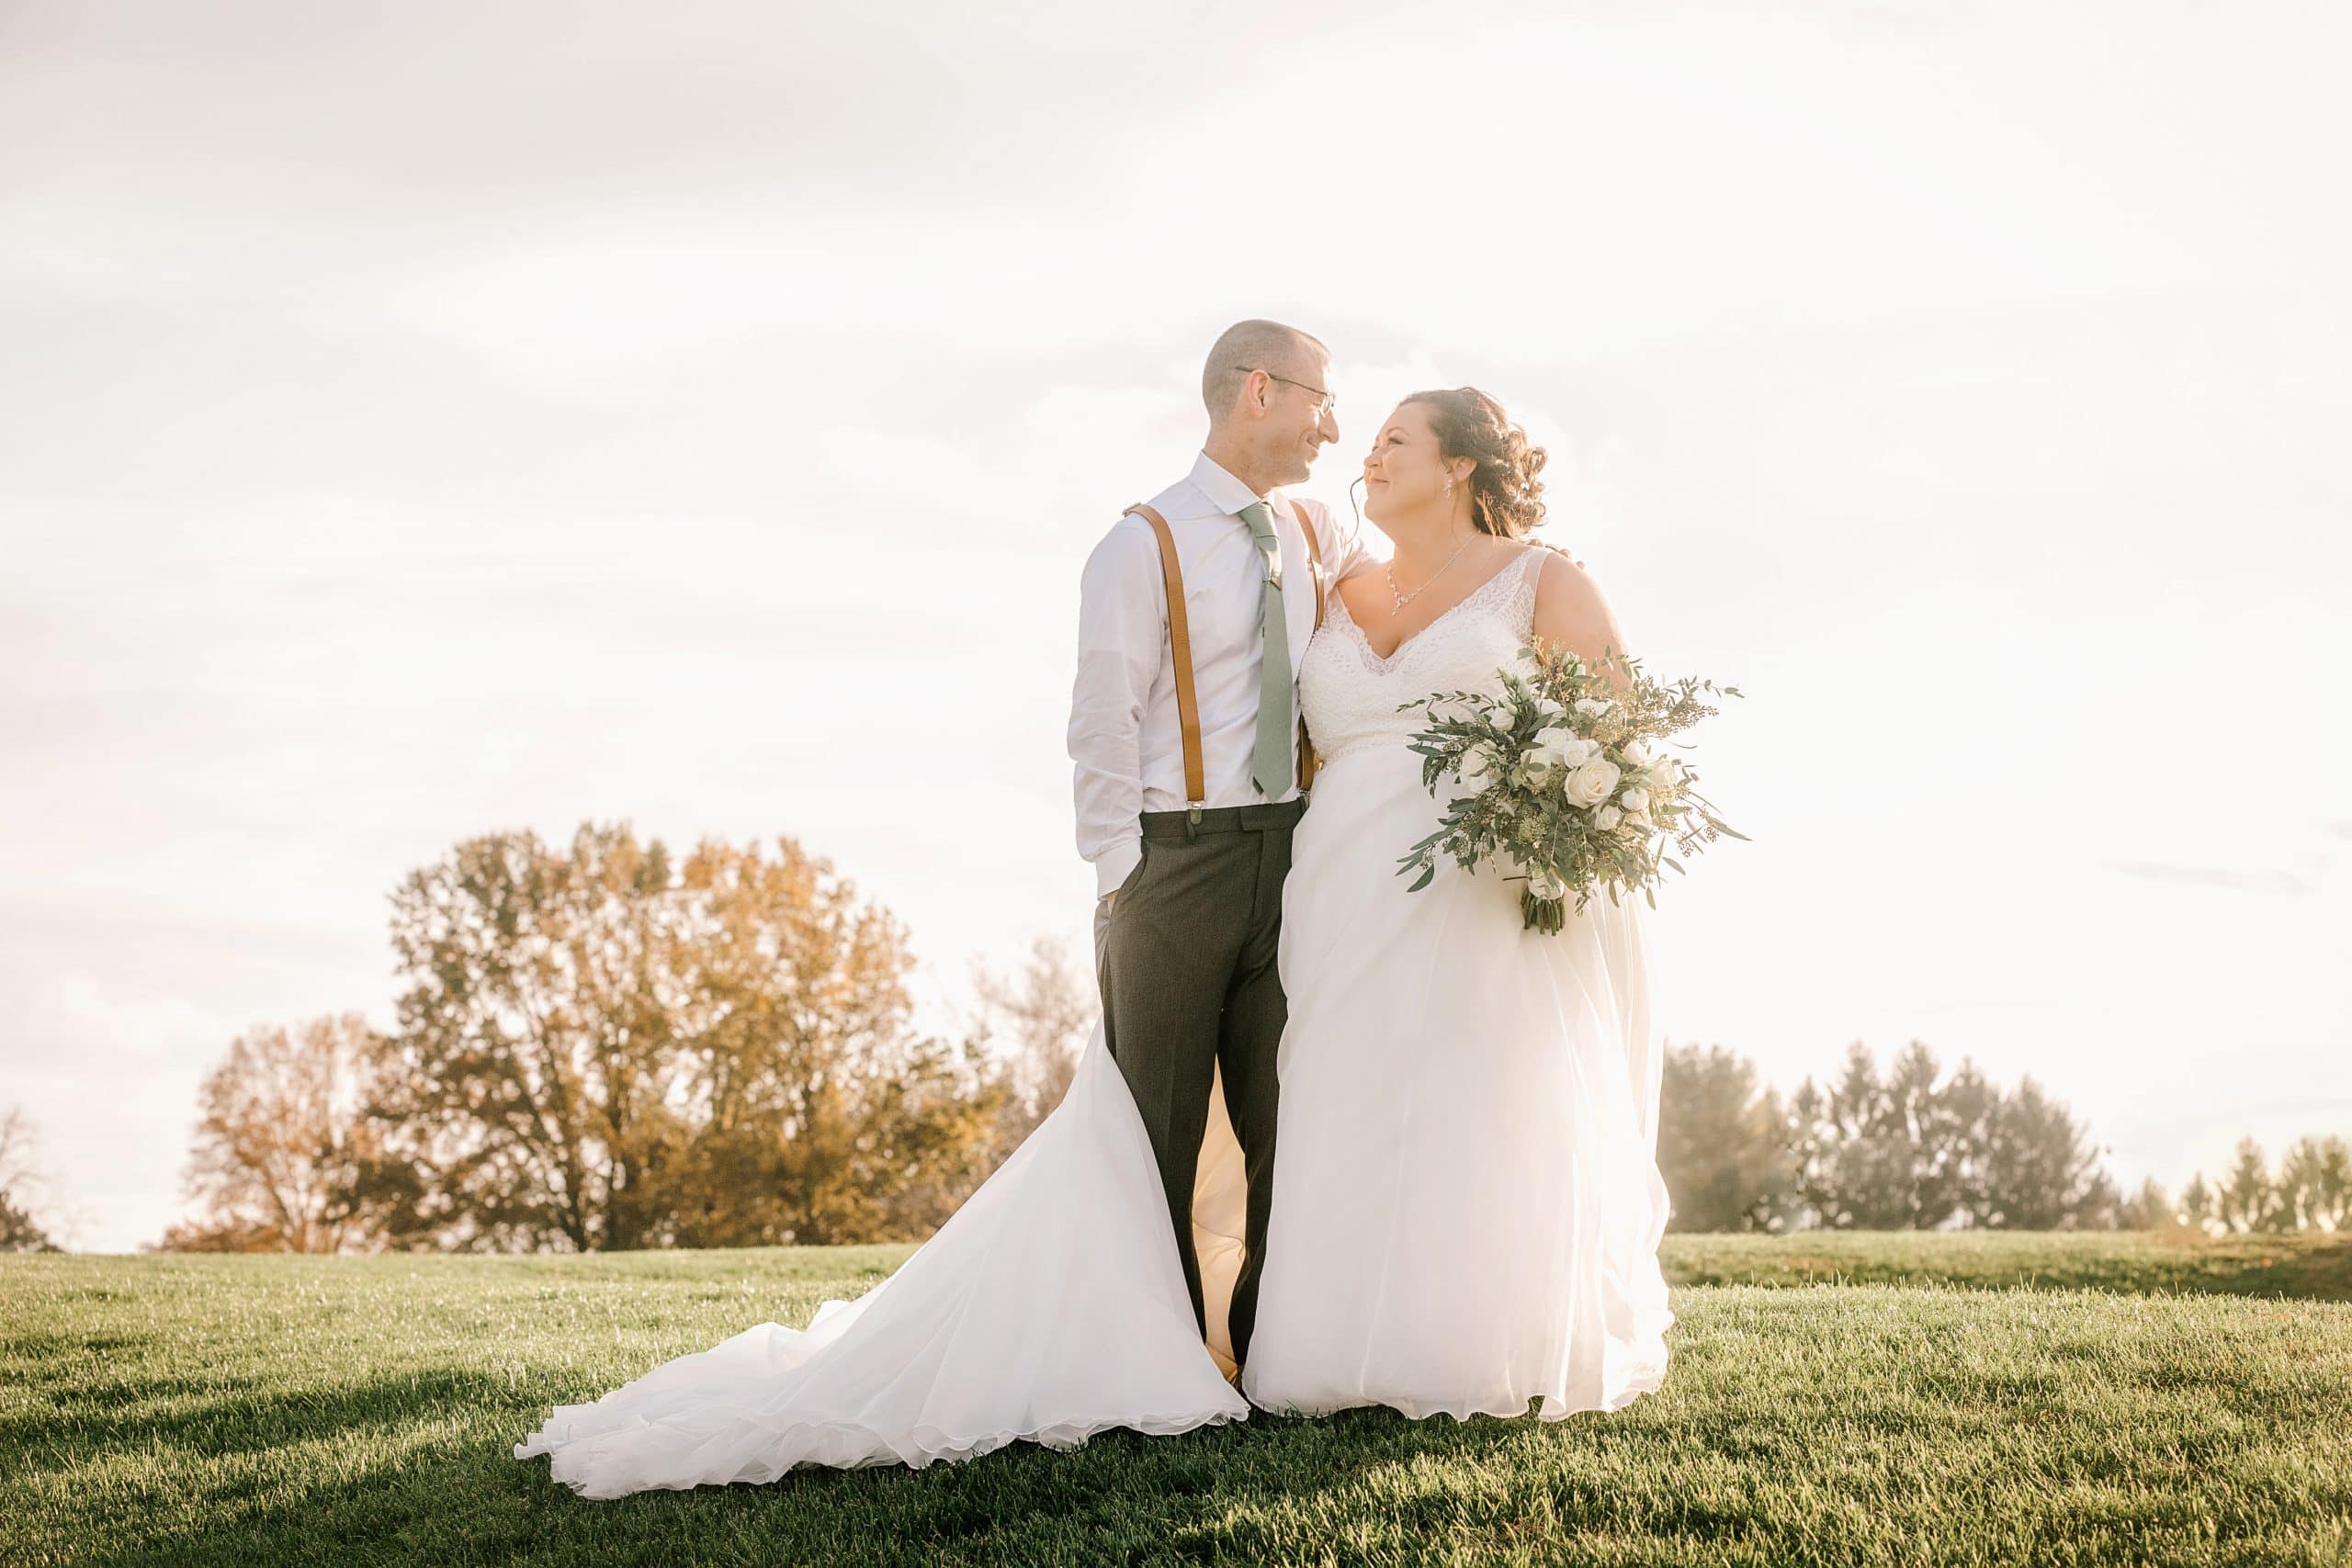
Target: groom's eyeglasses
pixel 1324 410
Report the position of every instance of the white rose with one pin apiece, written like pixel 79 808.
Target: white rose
pixel 1480 767
pixel 1592 784
pixel 1637 799
pixel 1635 752
pixel 1564 749
pixel 1556 748
pixel 1639 822
pixel 1606 818
pixel 1592 704
pixel 1665 774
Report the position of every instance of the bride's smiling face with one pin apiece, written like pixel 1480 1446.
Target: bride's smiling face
pixel 1404 476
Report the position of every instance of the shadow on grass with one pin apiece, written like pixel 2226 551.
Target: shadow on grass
pixel 197 1418
pixel 418 1468
pixel 436 1482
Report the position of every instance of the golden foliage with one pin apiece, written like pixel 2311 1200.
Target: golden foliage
pixel 600 1048
pixel 275 1139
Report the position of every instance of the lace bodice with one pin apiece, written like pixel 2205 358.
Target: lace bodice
pixel 1350 693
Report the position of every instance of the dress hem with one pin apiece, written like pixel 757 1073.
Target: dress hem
pixel 916 1455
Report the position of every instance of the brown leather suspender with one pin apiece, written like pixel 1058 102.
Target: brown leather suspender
pixel 1179 639
pixel 1315 570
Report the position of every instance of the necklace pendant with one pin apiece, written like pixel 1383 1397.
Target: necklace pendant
pixel 1398 600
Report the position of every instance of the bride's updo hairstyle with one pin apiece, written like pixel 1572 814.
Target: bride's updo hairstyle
pixel 1507 487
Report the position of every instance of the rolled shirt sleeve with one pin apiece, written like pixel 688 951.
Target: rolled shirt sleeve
pixel 1122 631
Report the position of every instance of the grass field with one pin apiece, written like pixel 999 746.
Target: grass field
pixel 1854 1399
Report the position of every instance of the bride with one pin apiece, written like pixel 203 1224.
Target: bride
pixel 1466 1207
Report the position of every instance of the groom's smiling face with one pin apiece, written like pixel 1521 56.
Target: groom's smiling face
pixel 1300 419
pixel 1267 388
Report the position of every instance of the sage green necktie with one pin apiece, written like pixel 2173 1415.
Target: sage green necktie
pixel 1270 763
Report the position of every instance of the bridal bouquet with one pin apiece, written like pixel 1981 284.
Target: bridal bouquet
pixel 1562 781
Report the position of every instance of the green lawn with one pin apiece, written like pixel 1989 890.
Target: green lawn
pixel 2311 1267
pixel 2134 1402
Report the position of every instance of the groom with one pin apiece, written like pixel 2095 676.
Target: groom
pixel 1191 767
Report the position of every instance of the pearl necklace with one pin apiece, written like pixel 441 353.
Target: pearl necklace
pixel 1398 600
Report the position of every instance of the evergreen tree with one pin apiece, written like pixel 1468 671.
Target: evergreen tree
pixel 2042 1170
pixel 1854 1169
pixel 2247 1200
pixel 2150 1209
pixel 2311 1189
pixel 2198 1204
pixel 1723 1143
pixel 1905 1152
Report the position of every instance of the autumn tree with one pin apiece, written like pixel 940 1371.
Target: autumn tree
pixel 278 1143
pixel 1723 1143
pixel 20 1184
pixel 821 1116
pixel 1038 1016
pixel 523 1099
pixel 604 1048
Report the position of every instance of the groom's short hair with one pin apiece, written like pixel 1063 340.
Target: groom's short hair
pixel 1246 346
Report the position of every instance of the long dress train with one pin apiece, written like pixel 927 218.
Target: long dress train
pixel 1050 1307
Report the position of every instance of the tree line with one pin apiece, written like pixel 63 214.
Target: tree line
pixel 604 1045
pixel 608 1046
pixel 1912 1148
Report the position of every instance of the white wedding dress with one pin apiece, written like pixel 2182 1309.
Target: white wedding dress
pixel 1465 1212
pixel 1051 1306
pixel 1467 1205
pixel 1047 1308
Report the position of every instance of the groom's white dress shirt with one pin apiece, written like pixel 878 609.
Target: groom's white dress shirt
pixel 1124 734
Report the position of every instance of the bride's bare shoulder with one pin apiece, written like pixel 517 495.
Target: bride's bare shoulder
pixel 1570 609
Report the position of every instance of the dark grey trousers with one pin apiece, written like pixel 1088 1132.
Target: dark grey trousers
pixel 1185 958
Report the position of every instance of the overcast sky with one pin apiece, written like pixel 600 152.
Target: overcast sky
pixel 439 419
